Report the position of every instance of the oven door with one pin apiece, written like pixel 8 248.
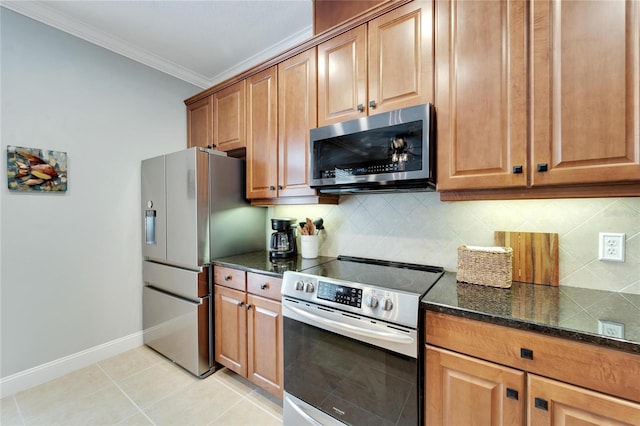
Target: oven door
pixel 339 366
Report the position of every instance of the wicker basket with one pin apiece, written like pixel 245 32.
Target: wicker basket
pixel 485 265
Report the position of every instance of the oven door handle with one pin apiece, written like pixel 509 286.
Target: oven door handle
pixel 302 413
pixel 390 337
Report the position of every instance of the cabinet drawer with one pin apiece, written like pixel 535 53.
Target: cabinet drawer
pixel 264 285
pixel 605 370
pixel 228 277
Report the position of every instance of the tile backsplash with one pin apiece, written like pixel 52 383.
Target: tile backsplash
pixel 419 228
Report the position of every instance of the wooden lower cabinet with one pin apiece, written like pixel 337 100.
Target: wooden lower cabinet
pixel 551 402
pixel 264 343
pixel 230 327
pixel 462 390
pixel 248 331
pixel 477 374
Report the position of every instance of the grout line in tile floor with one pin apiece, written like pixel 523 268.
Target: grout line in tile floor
pixel 140 387
pixel 140 410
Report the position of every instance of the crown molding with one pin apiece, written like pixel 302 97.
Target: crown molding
pixel 274 50
pixel 39 11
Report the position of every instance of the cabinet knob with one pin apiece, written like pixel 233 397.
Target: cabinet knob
pixel 248 306
pixel 517 169
pixel 512 394
pixel 280 187
pixel 240 303
pixel 360 107
pixel 372 104
pixel 526 353
pixel 227 277
pixel 272 188
pixel 542 167
pixel 541 404
pixel 264 286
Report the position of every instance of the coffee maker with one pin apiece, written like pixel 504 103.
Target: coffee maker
pixel 283 240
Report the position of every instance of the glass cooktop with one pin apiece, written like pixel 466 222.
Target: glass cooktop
pixel 408 277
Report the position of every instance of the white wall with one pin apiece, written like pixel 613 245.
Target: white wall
pixel 71 262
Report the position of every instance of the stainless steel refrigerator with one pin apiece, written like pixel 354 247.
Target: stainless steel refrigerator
pixel 193 210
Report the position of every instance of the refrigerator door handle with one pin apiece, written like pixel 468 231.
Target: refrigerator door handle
pixel 150 226
pixel 193 300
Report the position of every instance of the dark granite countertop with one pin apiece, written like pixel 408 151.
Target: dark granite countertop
pixel 566 312
pixel 259 262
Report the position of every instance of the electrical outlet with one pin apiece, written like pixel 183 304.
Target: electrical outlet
pixel 611 328
pixel 611 247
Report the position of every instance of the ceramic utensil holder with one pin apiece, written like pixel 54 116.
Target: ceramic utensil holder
pixel 309 245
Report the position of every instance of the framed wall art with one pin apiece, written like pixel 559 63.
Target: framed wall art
pixel 35 169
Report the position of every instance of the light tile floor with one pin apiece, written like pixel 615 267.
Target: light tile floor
pixel 140 387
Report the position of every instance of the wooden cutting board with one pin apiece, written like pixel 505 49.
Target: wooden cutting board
pixel 535 256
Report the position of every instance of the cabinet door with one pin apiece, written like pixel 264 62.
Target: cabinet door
pixel 342 77
pixel 200 123
pixel 555 403
pixel 460 390
pixel 400 58
pixel 264 333
pixel 296 116
pixel 586 96
pixel 229 118
pixel 262 134
pixel 481 94
pixel 231 326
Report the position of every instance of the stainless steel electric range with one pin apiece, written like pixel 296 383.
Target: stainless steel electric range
pixel 351 342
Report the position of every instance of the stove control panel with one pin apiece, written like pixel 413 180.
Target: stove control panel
pixel 361 299
pixel 340 294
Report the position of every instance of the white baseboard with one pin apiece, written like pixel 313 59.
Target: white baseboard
pixel 52 370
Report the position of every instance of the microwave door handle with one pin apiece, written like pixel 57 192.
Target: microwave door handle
pixel 301 412
pixel 390 337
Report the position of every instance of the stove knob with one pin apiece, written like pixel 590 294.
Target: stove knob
pixel 371 301
pixel 299 285
pixel 309 288
pixel 387 305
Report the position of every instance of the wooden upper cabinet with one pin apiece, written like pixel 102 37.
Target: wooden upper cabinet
pixel 296 116
pixel 326 15
pixel 585 91
pixel 481 97
pixel 342 77
pixel 200 123
pixel 579 124
pixel 380 66
pixel 262 133
pixel 229 117
pixel 400 58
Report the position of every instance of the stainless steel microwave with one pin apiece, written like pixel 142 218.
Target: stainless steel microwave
pixel 391 151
